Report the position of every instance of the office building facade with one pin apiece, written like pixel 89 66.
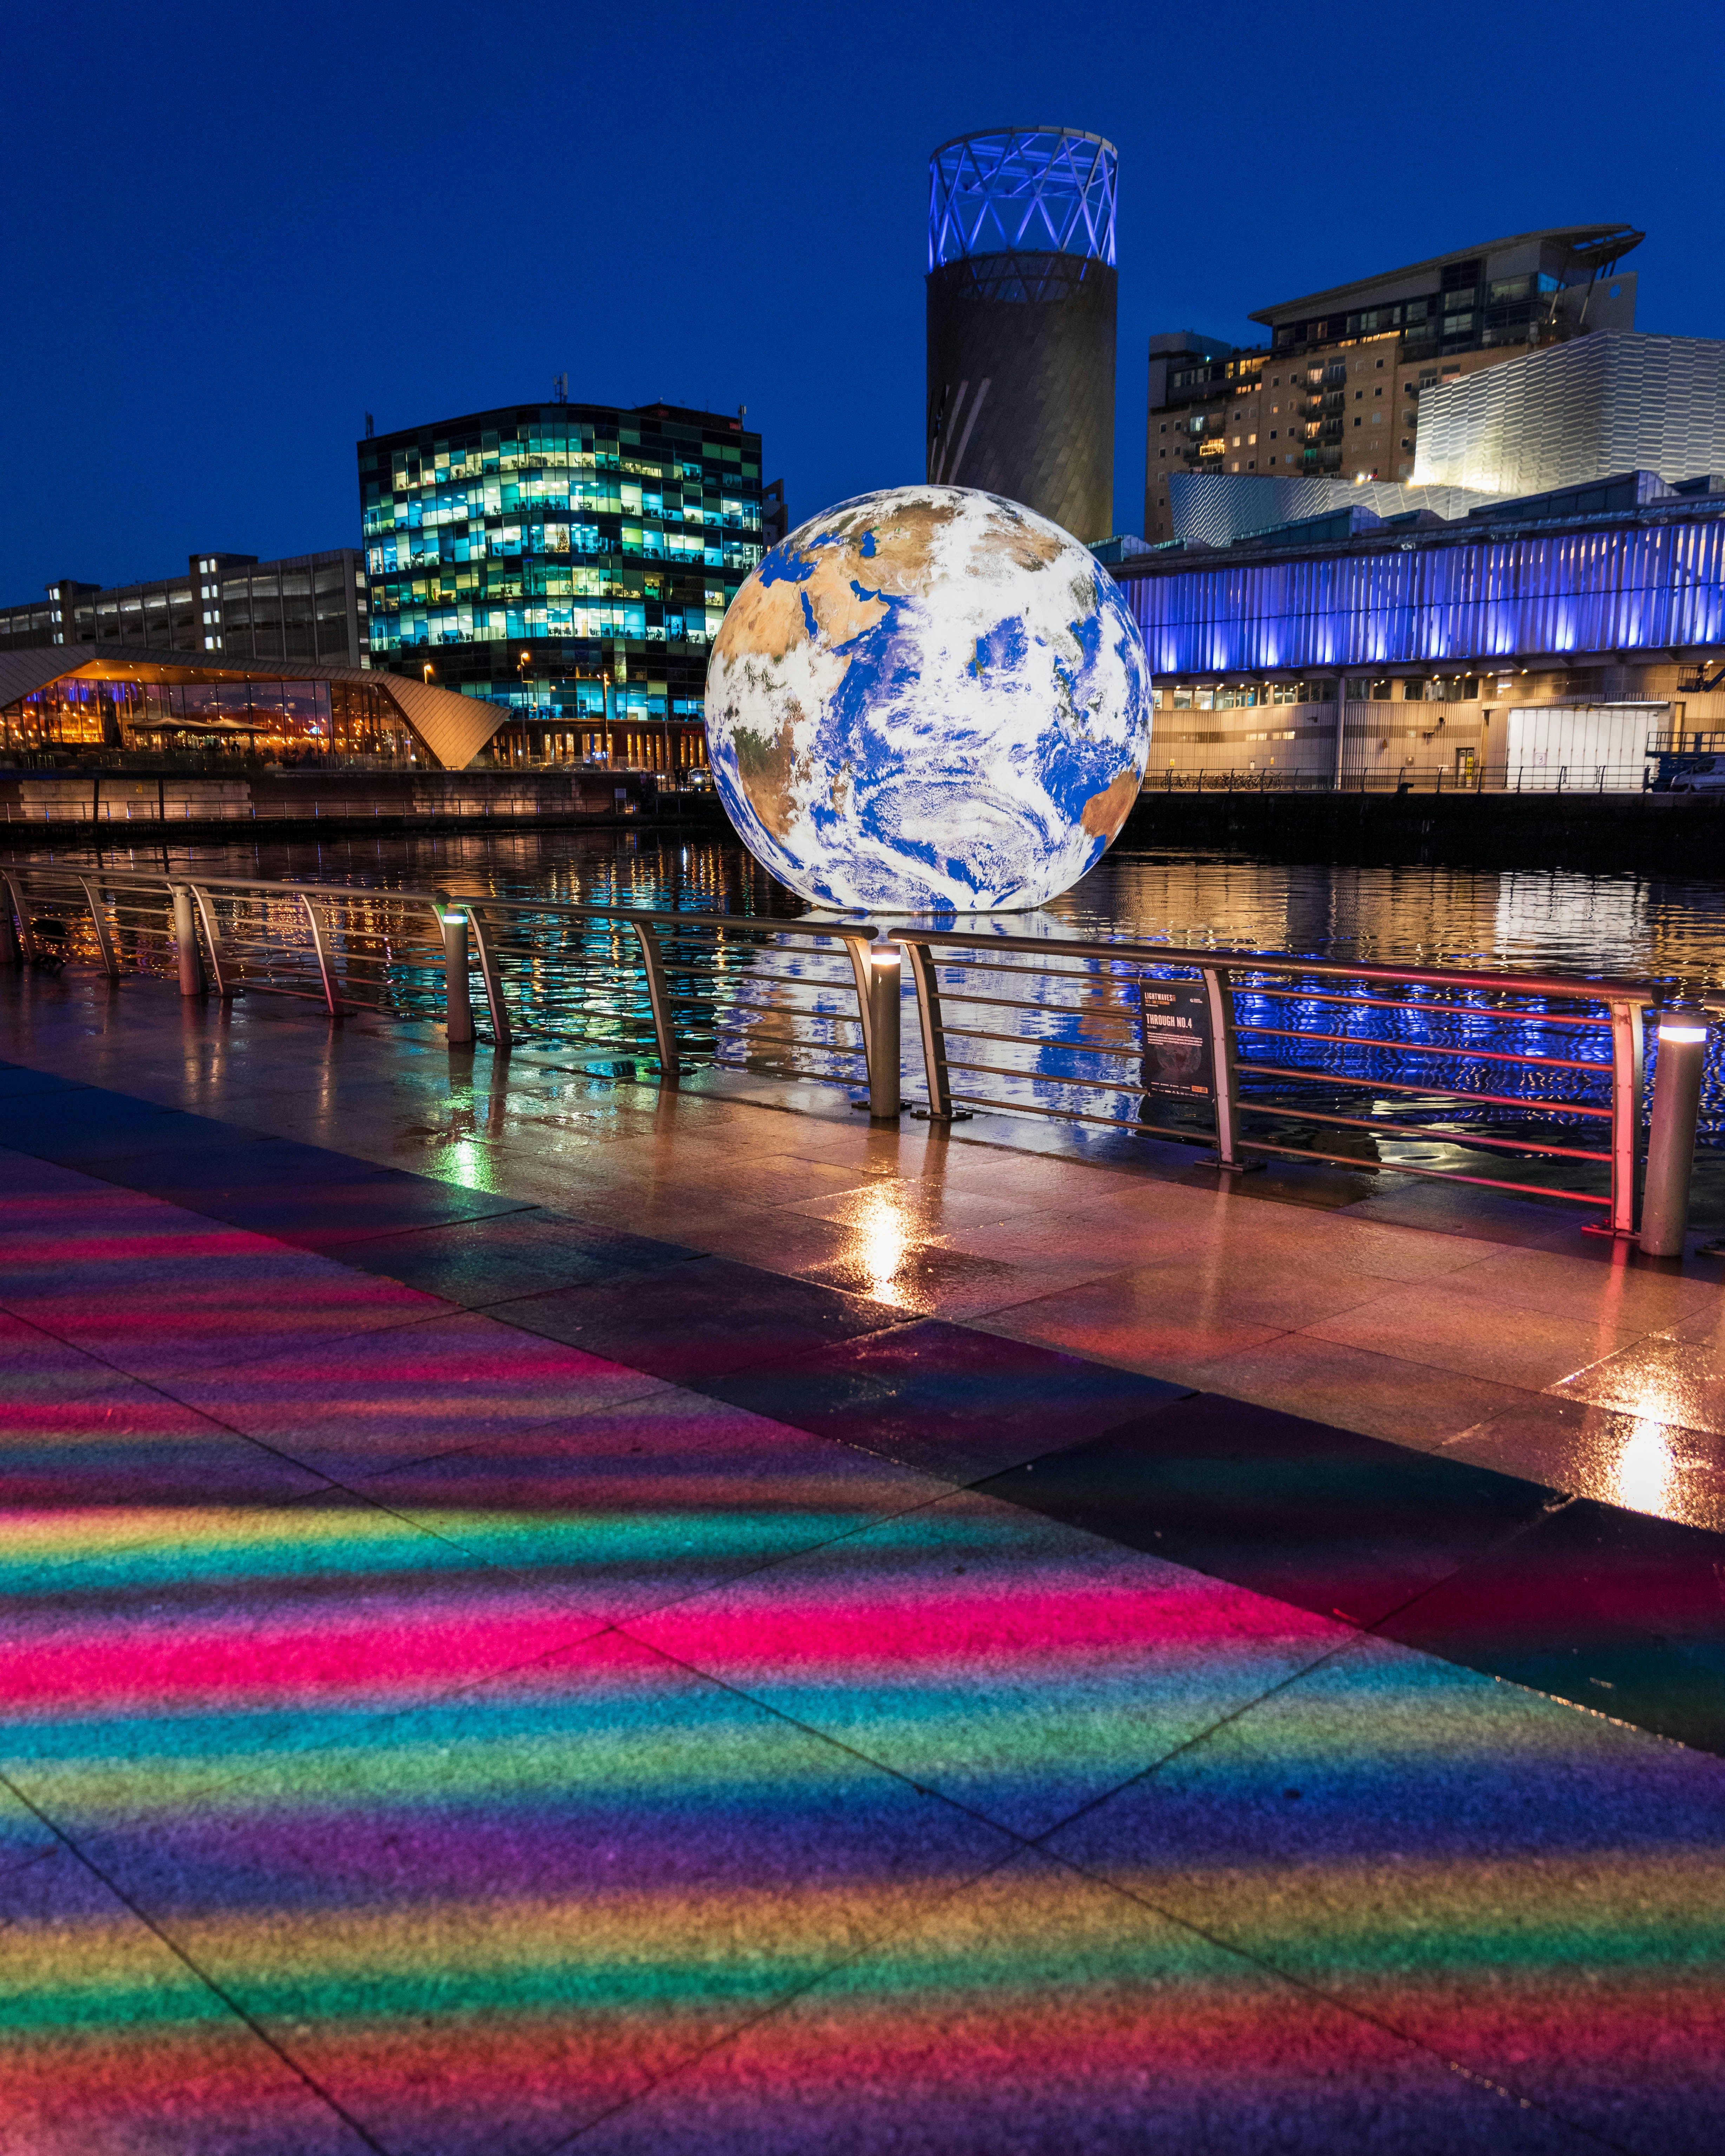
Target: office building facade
pixel 568 564
pixel 1336 390
pixel 302 607
pixel 1022 298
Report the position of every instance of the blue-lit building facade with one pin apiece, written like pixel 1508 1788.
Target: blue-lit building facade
pixel 570 563
pixel 1582 633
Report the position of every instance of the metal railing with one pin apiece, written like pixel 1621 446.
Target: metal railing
pixel 1407 779
pixel 150 817
pixel 1524 1083
pixel 1510 1065
pixel 634 988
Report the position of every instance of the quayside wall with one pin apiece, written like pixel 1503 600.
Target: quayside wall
pixel 40 808
pixel 1681 833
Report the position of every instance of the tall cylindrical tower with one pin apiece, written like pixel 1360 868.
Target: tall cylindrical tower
pixel 1021 309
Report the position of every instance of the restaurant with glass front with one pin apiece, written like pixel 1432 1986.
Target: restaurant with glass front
pixel 78 703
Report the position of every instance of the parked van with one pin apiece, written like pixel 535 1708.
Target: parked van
pixel 1705 775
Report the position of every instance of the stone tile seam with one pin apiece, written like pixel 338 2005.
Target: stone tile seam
pixel 199 1974
pixel 1034 1844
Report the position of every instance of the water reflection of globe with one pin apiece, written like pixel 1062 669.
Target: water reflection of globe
pixel 928 699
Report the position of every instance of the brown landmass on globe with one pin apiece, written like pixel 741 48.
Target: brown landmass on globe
pixel 766 766
pixel 1105 812
pixel 767 620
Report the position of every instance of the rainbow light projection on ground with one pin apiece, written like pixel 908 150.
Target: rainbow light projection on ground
pixel 577 1752
pixel 1638 590
pixel 478 1870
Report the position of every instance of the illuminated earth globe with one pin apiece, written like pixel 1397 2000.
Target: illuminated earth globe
pixel 928 700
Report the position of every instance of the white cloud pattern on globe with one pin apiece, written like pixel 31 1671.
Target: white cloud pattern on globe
pixel 928 700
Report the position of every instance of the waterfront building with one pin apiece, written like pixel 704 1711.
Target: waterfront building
pixel 1579 634
pixel 1337 390
pixel 119 705
pixel 568 565
pixel 1022 299
pixel 302 607
pixel 1612 402
pixel 1214 509
pixel 775 516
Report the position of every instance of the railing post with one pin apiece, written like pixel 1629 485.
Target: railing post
pixel 1220 998
pixel 319 944
pixel 933 1031
pixel 11 952
pixel 185 942
pixel 27 943
pixel 1670 1143
pixel 99 921
pixel 659 998
pixel 457 1003
pixel 885 1100
pixel 1626 1067
pixel 502 1037
pixel 227 986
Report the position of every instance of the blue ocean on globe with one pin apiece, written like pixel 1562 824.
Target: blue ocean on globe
pixel 928 700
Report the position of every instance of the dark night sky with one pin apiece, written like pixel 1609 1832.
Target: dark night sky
pixel 229 232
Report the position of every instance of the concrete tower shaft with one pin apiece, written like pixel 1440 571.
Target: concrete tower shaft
pixel 1022 302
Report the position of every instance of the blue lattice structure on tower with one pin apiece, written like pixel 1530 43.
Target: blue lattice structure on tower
pixel 1021 316
pixel 1022 191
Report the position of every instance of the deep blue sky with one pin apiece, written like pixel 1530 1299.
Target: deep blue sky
pixel 229 232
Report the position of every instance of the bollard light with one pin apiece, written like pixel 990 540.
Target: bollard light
pixel 884 1100
pixel 1682 1036
pixel 186 951
pixel 458 1007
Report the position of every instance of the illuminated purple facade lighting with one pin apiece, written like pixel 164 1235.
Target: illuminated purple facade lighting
pixel 1022 191
pixel 1638 588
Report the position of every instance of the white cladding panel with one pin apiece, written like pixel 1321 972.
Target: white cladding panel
pixel 1215 507
pixel 1580 739
pixel 1611 402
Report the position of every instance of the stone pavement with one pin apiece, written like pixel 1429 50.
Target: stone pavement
pixel 540 1615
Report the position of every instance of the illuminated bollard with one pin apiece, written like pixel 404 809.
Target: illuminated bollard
pixel 1670 1144
pixel 458 1006
pixel 185 945
pixel 883 1031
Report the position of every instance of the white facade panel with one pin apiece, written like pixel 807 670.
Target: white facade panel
pixel 1578 740
pixel 1608 402
pixel 1213 508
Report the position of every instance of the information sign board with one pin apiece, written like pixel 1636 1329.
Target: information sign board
pixel 1178 1059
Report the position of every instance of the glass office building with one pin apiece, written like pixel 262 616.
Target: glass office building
pixel 569 562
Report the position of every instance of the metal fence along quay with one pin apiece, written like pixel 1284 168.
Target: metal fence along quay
pixel 1513 1082
pixel 1411 778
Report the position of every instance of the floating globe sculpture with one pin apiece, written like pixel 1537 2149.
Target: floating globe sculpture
pixel 928 700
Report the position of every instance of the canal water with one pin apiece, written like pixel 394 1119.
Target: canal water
pixel 1669 930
